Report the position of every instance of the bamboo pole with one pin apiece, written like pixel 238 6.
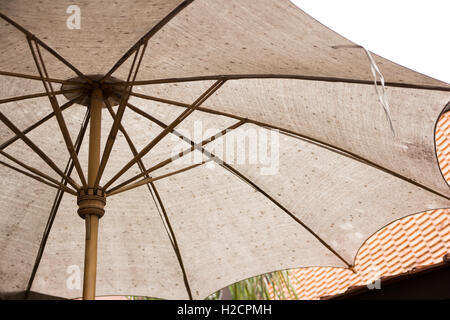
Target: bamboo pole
pixel 90 257
pixel 90 204
pixel 94 136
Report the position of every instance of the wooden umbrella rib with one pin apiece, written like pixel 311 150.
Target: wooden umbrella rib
pixel 45 46
pixel 174 131
pixel 134 152
pixel 44 181
pixel 152 190
pixel 158 122
pixel 171 102
pixel 196 146
pixel 36 95
pixel 40 65
pixel 33 77
pixel 56 203
pixel 157 99
pixel 163 125
pixel 167 130
pixel 147 36
pixel 114 128
pixel 146 115
pixel 303 137
pixel 176 247
pixel 286 76
pixel 43 120
pixel 226 166
pixel 126 135
pixel 37 172
pixel 347 154
pixel 120 112
pixel 153 179
pixel 284 209
pixel 184 105
pixel 36 149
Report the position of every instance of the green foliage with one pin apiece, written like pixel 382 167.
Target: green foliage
pixel 258 288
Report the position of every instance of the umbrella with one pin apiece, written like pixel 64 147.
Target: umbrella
pixel 300 143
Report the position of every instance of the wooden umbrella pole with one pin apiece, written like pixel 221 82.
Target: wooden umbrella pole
pixel 95 135
pixel 91 202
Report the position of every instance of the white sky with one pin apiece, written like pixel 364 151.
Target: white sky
pixel 413 33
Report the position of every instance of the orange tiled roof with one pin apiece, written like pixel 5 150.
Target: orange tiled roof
pixel 417 240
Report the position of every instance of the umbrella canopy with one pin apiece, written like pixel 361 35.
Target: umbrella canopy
pixel 334 173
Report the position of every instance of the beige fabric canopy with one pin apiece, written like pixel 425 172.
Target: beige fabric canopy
pixel 252 66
